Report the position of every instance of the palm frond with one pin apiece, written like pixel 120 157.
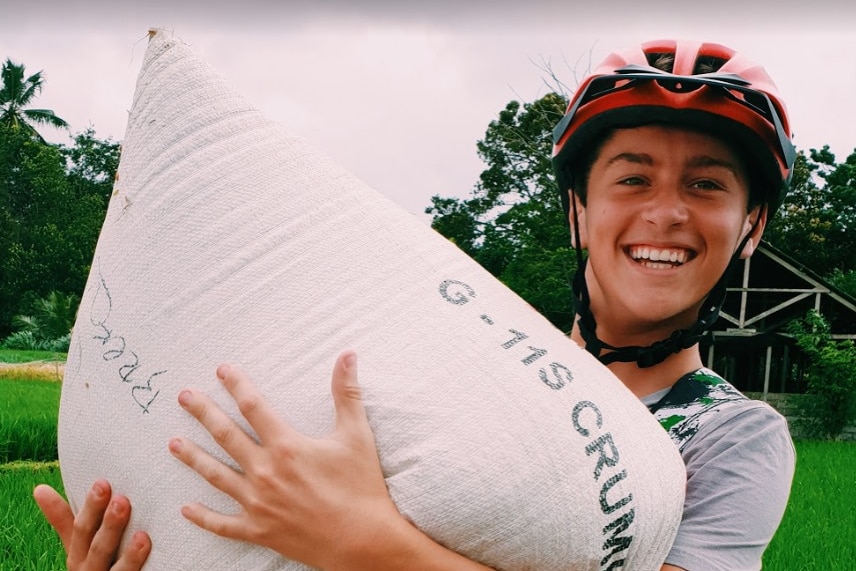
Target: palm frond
pixel 16 93
pixel 45 117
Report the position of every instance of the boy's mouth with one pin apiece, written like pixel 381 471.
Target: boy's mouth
pixel 659 258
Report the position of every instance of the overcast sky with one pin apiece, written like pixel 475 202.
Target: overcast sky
pixel 400 92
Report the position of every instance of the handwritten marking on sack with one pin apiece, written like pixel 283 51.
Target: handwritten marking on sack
pixel 588 422
pixel 115 348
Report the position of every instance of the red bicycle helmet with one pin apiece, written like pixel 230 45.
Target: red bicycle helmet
pixel 736 100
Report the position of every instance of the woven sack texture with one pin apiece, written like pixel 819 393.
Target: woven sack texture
pixel 228 239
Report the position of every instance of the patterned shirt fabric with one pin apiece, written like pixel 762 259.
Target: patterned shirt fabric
pixel 684 408
pixel 740 462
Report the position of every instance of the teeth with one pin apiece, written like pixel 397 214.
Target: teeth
pixel 669 256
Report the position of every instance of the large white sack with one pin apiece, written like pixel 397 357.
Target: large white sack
pixel 228 239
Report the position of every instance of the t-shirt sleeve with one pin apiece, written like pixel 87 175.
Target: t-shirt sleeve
pixel 739 472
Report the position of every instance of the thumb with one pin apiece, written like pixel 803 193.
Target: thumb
pixel 57 511
pixel 347 395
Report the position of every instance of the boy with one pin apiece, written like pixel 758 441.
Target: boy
pixel 670 159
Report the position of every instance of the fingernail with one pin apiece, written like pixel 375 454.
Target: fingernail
pixel 116 508
pixel 175 445
pixel 185 397
pixel 222 371
pixel 187 511
pixel 350 361
pixel 98 490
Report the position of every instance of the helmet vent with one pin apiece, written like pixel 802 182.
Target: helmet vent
pixel 662 61
pixel 665 61
pixel 708 64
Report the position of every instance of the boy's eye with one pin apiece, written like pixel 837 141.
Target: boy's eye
pixel 632 180
pixel 706 185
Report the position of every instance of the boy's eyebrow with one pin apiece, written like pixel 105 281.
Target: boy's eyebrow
pixel 638 158
pixel 695 162
pixel 708 161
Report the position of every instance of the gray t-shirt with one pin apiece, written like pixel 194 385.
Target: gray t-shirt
pixel 740 462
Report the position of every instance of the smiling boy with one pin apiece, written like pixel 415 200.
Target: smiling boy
pixel 673 155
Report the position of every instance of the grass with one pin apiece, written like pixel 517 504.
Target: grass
pixel 818 528
pixel 27 541
pixel 28 419
pixel 21 356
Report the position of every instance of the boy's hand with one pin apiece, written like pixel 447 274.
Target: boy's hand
pixel 308 499
pixel 91 540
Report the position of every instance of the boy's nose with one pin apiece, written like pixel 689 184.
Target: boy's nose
pixel 666 209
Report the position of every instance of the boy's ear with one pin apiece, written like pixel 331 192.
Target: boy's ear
pixel 580 220
pixel 759 214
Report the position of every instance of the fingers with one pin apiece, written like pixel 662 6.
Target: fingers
pixel 223 429
pixel 261 416
pixel 135 554
pixel 219 475
pixel 56 511
pixel 347 396
pixel 92 539
pixel 105 543
pixel 217 523
pixel 88 521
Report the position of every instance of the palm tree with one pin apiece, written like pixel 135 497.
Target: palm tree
pixel 18 91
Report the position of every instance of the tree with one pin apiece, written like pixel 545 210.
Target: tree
pixel 816 221
pixel 16 93
pixel 52 204
pixel 844 280
pixel 830 402
pixel 92 164
pixel 513 223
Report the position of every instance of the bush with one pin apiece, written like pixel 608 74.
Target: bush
pixel 29 341
pixel 22 340
pixel 830 403
pixel 49 328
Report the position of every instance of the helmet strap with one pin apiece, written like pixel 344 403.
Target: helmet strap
pixel 656 353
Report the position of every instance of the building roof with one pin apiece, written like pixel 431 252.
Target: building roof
pixel 770 289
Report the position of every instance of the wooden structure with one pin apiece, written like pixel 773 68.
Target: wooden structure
pixel 749 344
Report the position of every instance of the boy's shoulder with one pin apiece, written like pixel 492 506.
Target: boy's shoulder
pixel 701 401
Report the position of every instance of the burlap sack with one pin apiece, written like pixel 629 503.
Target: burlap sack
pixel 228 239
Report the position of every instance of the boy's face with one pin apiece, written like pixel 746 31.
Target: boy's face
pixel 665 210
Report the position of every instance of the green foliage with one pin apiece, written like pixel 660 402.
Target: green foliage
pixel 49 328
pixel 16 93
pixel 29 341
pixel 52 204
pixel 830 402
pixel 91 164
pixel 817 528
pixel 513 223
pixel 816 220
pixel 25 356
pixel 844 280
